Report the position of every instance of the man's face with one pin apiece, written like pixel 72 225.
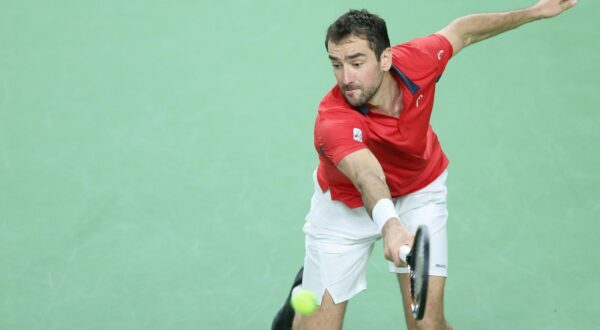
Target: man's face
pixel 356 69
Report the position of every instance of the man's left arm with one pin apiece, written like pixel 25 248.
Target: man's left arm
pixel 470 29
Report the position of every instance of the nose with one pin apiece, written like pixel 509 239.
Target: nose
pixel 348 75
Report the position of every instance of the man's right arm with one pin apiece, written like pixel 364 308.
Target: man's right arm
pixel 365 172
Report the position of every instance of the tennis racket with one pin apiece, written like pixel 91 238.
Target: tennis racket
pixel 417 259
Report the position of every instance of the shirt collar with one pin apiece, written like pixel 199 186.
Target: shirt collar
pixel 412 87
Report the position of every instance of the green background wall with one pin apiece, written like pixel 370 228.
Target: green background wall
pixel 156 161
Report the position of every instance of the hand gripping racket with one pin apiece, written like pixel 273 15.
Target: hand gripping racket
pixel 417 259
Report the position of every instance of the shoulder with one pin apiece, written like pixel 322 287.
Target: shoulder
pixel 428 47
pixel 422 56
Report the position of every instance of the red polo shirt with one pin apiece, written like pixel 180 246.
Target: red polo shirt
pixel 407 148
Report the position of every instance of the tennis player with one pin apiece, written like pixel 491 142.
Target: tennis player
pixel 382 171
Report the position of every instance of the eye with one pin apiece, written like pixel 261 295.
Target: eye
pixel 357 65
pixel 336 66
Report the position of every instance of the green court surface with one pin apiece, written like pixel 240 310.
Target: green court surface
pixel 156 162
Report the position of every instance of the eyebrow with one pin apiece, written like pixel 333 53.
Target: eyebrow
pixel 348 57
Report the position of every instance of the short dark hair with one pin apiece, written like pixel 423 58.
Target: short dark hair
pixel 362 24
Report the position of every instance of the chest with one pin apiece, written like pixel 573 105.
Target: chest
pixel 409 132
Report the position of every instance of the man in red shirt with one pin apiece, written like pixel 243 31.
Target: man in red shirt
pixel 381 170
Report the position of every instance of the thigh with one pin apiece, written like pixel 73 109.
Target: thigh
pixel 428 206
pixel 331 220
pixel 434 311
pixel 336 267
pixel 339 241
pixel 329 316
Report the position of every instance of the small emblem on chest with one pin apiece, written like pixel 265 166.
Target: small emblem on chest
pixel 358 135
pixel 419 99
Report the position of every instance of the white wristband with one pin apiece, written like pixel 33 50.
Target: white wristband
pixel 383 211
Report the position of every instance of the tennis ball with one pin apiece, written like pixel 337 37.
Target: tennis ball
pixel 304 301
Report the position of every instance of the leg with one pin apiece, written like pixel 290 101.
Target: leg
pixel 434 312
pixel 329 316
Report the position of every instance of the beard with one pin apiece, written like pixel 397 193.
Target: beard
pixel 359 95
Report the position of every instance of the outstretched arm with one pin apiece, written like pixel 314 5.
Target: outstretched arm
pixel 470 29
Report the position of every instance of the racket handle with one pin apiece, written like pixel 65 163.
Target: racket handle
pixel 403 252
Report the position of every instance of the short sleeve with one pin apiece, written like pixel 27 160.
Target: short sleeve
pixel 436 49
pixel 339 134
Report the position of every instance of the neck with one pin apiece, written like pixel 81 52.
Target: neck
pixel 388 98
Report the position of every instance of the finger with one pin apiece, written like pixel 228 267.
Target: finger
pixel 397 261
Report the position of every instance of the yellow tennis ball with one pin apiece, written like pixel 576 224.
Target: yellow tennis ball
pixel 304 301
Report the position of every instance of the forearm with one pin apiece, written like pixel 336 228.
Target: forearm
pixel 372 188
pixel 365 172
pixel 477 27
pixel 367 175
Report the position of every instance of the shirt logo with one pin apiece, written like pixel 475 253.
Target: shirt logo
pixel 440 54
pixel 419 99
pixel 358 135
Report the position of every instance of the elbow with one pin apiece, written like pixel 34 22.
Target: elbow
pixel 467 40
pixel 458 34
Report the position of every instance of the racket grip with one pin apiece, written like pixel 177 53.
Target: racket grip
pixel 403 252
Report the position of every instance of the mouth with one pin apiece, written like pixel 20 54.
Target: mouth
pixel 351 90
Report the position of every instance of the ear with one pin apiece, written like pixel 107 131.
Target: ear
pixel 385 60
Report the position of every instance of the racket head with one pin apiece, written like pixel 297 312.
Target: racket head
pixel 418 263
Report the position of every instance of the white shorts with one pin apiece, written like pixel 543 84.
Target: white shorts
pixel 339 239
